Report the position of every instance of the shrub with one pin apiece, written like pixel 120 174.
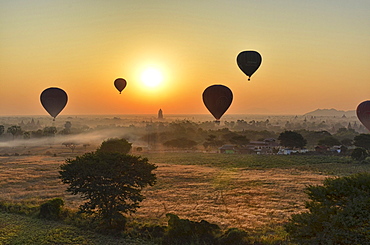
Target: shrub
pixel 234 236
pixel 339 213
pixel 19 208
pixel 359 154
pixel 52 209
pixel 184 231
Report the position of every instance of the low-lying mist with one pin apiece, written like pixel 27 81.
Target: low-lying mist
pixel 95 137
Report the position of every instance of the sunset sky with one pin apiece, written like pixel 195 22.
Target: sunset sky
pixel 315 54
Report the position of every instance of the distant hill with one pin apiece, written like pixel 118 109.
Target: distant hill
pixel 331 112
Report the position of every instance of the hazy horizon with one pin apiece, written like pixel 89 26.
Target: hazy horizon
pixel 180 114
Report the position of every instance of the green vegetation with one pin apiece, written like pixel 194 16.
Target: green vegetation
pixel 115 145
pixel 292 139
pixel 110 182
pixel 19 230
pixel 52 209
pixel 359 154
pixel 338 213
pixel 321 163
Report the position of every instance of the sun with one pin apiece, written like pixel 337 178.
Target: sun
pixel 152 77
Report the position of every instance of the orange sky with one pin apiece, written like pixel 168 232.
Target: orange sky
pixel 316 54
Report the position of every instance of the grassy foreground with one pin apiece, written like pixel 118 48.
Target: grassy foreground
pixel 19 229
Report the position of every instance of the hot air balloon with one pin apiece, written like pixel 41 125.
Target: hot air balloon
pixel 363 113
pixel 53 100
pixel 120 84
pixel 217 99
pixel 248 62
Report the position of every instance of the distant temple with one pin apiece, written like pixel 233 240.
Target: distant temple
pixel 160 114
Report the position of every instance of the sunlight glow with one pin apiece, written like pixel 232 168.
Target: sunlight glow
pixel 151 77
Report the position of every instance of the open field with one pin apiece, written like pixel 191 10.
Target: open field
pixel 245 191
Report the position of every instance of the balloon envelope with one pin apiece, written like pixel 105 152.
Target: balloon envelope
pixel 120 84
pixel 248 62
pixel 217 99
pixel 363 113
pixel 53 100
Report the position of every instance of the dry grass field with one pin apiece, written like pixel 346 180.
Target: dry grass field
pixel 252 199
pixel 248 199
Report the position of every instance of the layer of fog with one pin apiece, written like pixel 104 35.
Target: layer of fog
pixel 95 137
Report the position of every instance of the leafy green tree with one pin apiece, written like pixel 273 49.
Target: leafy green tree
pixel 344 133
pixel 338 213
pixel 115 145
pixel 329 141
pixel 359 154
pixel 110 182
pixel 362 140
pixel 313 137
pixel 292 139
pixel 14 130
pixel 2 129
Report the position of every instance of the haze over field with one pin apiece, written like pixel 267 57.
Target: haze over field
pixel 315 54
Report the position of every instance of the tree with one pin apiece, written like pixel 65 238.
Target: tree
pixel 359 154
pixel 338 213
pixel 70 145
pixel 49 131
pixel 115 145
pixel 180 143
pixel 362 140
pixel 67 128
pixel 111 182
pixel 26 135
pixel 14 130
pixel 292 139
pixel 329 141
pixel 212 141
pixel 2 129
pixel 346 142
pixel 344 133
pixel 239 140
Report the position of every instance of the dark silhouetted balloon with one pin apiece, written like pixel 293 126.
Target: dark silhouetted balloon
pixel 53 100
pixel 120 84
pixel 217 99
pixel 248 62
pixel 363 113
